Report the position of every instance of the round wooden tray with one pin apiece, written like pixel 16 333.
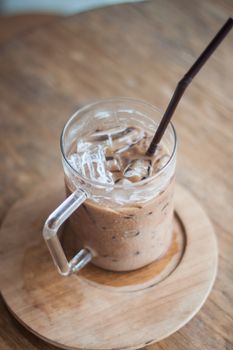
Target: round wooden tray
pixel 97 309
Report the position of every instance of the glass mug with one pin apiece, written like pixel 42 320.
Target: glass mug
pixel 117 227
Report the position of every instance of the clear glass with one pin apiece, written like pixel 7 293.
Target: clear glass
pixel 119 227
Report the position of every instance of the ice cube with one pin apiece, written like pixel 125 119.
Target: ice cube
pixel 138 169
pixel 162 161
pixel 74 160
pixel 83 146
pixel 118 139
pixel 93 165
pixel 125 139
pixel 106 136
pixel 102 135
pixel 113 164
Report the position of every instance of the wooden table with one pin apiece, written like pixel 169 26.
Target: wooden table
pixel 139 50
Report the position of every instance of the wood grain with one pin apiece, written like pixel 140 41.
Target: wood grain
pixel 138 50
pixel 12 27
pixel 96 309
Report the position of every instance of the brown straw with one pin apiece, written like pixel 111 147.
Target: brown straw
pixel 185 81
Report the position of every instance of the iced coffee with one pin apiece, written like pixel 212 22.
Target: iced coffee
pixel 126 221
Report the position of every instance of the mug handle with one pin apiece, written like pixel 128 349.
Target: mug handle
pixel 51 227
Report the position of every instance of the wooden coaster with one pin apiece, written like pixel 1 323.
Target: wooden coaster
pixel 98 309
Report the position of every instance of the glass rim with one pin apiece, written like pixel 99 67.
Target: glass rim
pixel 107 185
